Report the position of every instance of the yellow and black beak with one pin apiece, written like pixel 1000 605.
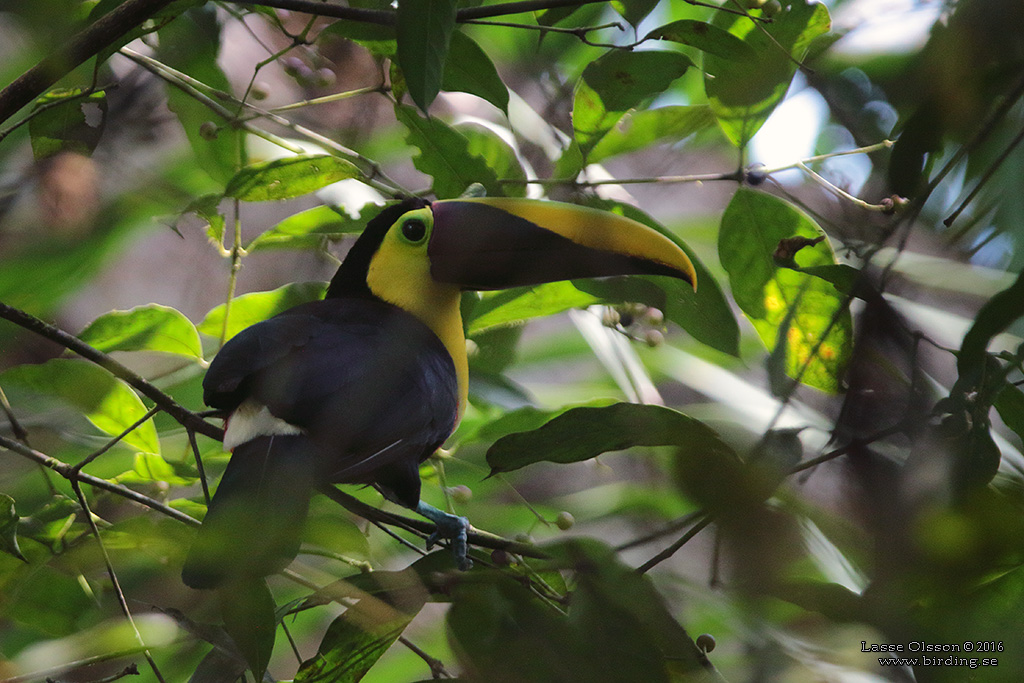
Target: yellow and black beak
pixel 496 243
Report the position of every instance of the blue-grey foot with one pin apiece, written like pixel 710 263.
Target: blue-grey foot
pixel 451 527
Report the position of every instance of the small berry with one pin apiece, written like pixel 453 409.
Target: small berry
pixel 755 4
pixel 501 557
pixel 654 338
pixel 461 493
pixel 565 520
pixel 293 66
pixel 259 91
pixel 755 178
pixel 706 642
pixel 771 8
pixel 654 317
pixel 208 130
pixel 324 78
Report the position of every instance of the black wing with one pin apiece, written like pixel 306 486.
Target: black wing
pixel 371 385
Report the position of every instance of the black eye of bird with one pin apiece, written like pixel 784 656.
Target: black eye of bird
pixel 414 229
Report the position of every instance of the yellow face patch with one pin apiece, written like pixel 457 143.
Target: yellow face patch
pixel 399 273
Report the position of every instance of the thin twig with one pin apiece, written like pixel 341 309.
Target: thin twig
pixel 184 416
pixel 199 466
pixel 115 583
pixel 989 172
pixel 113 442
pixel 672 549
pixel 67 471
pixel 437 669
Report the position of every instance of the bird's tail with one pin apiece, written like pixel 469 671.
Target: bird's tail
pixel 254 524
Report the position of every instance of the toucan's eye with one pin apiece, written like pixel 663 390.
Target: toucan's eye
pixel 414 230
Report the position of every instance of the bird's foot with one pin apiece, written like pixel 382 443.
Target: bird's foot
pixel 451 527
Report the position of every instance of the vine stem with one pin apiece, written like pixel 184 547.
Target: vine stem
pixel 184 416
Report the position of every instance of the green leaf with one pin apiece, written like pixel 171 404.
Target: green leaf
pixel 144 328
pixel 355 641
pixel 1010 405
pixel 994 317
pixel 752 226
pixel 306 229
pixel 423 30
pixel 247 608
pixel 191 44
pixel 706 313
pixel 156 21
pixel 444 155
pixel 743 95
pixel 207 207
pixel 469 69
pixel 150 467
pixel 706 38
pixel 616 83
pixel 499 156
pixel 516 305
pixel 642 128
pixel 378 39
pixel 634 11
pixel 250 309
pixel 289 177
pixel 9 527
pixel 107 402
pixel 64 126
pixel 584 433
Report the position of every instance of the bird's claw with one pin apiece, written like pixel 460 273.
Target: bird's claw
pixel 451 527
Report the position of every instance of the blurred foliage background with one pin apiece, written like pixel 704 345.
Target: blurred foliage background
pixel 818 451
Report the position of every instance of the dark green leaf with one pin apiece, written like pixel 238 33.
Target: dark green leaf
pixel 355 641
pixel 144 328
pixel 469 69
pixel 64 125
pixel 584 433
pixel 191 44
pixel 634 11
pixel 289 177
pixel 444 155
pixel 424 29
pixel 9 527
pixel 106 401
pixel 705 314
pixel 499 156
pixel 307 229
pixel 820 329
pixel 156 21
pixel 743 95
pixel 994 317
pixel 616 83
pixel 250 309
pixel 1010 405
pixel 707 38
pixel 247 608
pixel 642 128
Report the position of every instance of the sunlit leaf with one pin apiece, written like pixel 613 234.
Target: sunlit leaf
pixel 644 127
pixel 742 94
pixel 707 38
pixel 583 433
pixel 144 328
pixel 106 401
pixel 150 467
pixel 250 309
pixel 424 29
pixel 306 229
pixel 506 307
pixel 819 336
pixel 289 177
pixel 469 69
pixel 444 155
pixel 616 83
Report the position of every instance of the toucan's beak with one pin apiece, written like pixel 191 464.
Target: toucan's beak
pixel 496 243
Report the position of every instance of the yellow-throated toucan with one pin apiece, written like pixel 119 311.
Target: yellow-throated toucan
pixel 364 385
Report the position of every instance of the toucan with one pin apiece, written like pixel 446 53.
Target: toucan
pixel 367 383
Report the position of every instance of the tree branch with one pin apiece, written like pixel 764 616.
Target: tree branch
pixel 387 18
pixel 85 44
pixel 184 416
